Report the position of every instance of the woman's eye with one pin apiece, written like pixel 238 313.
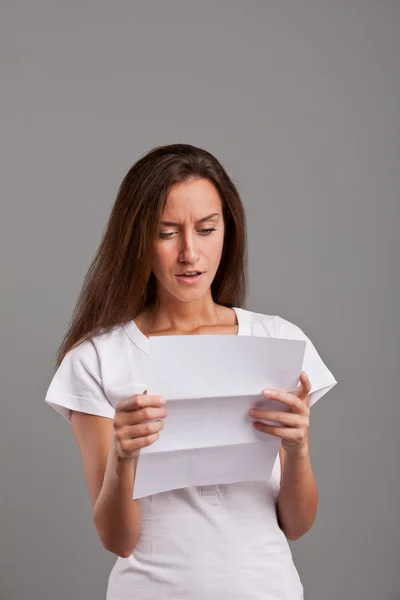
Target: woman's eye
pixel 166 236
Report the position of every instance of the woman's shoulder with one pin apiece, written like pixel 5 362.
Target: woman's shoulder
pixel 253 316
pixel 258 323
pixel 107 351
pixel 107 365
pixel 103 338
pixel 272 325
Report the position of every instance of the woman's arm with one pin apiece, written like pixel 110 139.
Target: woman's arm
pixel 110 480
pixel 115 514
pixel 298 496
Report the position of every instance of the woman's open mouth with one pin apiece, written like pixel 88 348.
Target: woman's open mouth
pixel 190 278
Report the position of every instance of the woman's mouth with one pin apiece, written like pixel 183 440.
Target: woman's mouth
pixel 190 278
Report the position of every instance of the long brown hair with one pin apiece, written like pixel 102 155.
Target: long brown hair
pixel 119 283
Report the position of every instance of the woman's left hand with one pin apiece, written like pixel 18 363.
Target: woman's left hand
pixel 294 432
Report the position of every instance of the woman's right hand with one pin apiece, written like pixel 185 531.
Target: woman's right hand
pixel 131 432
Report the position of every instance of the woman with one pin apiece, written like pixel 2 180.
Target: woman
pixel 172 261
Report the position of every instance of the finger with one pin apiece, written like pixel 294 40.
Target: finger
pixel 132 445
pixel 291 400
pixel 140 401
pixel 134 417
pixel 305 386
pixel 282 432
pixel 288 419
pixel 141 429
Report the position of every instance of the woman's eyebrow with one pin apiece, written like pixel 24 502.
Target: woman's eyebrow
pixel 172 224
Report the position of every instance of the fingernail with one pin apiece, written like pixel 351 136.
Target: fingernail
pixel 269 392
pixel 162 400
pixel 252 412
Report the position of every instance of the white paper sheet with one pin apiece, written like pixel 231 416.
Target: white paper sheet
pixel 210 382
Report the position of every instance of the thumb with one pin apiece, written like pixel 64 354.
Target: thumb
pixel 304 387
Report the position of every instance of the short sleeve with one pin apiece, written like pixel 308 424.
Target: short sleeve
pixel 321 378
pixel 77 384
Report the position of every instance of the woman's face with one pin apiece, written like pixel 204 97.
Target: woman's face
pixel 190 238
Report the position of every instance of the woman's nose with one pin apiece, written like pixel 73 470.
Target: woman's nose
pixel 188 251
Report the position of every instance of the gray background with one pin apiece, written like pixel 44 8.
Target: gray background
pixel 300 102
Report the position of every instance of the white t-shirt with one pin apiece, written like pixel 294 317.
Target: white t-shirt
pixel 219 542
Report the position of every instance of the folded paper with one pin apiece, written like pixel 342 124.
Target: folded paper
pixel 210 383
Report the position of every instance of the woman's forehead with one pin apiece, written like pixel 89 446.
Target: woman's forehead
pixel 192 208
